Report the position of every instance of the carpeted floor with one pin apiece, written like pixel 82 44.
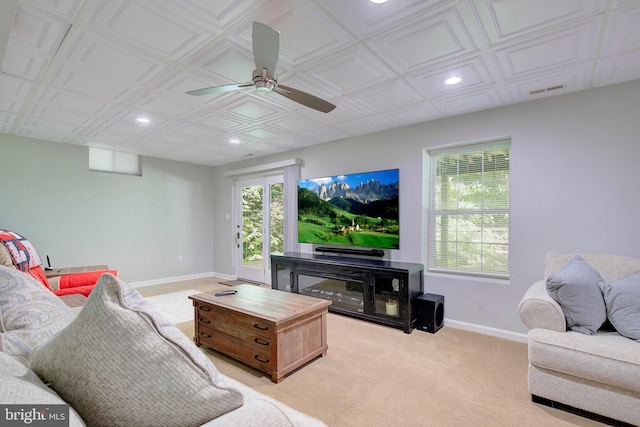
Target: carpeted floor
pixel 374 375
pixel 175 306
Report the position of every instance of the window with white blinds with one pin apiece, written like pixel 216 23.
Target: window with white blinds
pixel 102 160
pixel 469 210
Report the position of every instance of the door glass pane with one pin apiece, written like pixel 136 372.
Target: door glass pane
pixel 342 293
pixel 252 226
pixel 276 218
pixel 387 295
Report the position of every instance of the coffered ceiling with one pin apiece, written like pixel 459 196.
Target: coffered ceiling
pixel 82 71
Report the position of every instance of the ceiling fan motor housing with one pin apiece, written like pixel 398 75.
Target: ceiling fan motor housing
pixel 262 81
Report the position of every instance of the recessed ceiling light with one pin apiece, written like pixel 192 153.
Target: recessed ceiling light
pixel 453 80
pixel 378 1
pixel 234 141
pixel 143 120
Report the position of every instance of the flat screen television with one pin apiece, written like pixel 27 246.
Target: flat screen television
pixel 359 209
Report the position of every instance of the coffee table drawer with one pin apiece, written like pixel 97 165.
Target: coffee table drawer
pixel 232 322
pixel 256 356
pixel 239 338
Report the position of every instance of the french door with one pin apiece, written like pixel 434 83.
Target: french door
pixel 259 226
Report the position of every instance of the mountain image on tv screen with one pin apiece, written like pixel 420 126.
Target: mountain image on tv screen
pixel 360 209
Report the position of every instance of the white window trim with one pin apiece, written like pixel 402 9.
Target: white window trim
pixel 430 212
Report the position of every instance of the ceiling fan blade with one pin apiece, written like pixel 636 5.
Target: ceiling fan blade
pixel 266 47
pixel 219 89
pixel 304 98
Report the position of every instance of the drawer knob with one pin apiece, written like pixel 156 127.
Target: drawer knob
pixel 203 320
pixel 262 328
pixel 260 360
pixel 259 341
pixel 204 308
pixel 203 335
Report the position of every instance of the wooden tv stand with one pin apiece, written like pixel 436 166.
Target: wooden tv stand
pixel 370 289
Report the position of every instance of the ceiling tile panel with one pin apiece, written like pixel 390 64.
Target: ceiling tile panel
pixel 415 113
pixel 366 19
pixel 215 120
pixel 470 101
pixel 617 69
pixel 64 76
pixel 15 88
pixel 7 122
pixel 148 25
pixel 32 30
pixel 24 63
pixel 388 96
pixel 225 61
pixel 345 72
pixel 327 133
pixel 506 20
pixel 426 42
pixel 112 61
pixel 551 83
pixel 67 9
pixel 52 131
pixel 69 101
pixel 558 49
pixel 473 71
pixel 67 117
pixel 624 30
pixel 157 102
pixel 306 33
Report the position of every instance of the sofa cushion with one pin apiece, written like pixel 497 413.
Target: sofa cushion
pixel 576 287
pixel 30 314
pixel 266 412
pixel 20 385
pixel 606 358
pixel 120 363
pixel 622 298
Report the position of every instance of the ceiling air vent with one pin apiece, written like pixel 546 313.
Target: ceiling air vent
pixel 548 89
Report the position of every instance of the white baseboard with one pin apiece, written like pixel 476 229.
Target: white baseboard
pixel 172 279
pixel 500 333
pixel 486 330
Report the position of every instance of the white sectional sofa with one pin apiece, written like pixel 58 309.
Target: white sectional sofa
pixel 116 362
pixel 598 373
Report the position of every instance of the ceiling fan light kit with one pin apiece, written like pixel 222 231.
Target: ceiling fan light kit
pixel 266 48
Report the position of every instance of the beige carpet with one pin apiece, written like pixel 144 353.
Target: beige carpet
pixel 379 376
pixel 175 306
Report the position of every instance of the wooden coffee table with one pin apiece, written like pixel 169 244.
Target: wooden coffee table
pixel 273 331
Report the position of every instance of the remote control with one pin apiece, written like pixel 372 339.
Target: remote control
pixel 223 293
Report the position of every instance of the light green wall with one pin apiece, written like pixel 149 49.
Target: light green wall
pixel 139 225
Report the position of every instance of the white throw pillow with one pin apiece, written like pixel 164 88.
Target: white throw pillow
pixel 120 363
pixel 30 314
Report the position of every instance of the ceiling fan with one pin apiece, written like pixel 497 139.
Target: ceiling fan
pixel 266 47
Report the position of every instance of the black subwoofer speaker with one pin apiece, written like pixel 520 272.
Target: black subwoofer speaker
pixel 430 312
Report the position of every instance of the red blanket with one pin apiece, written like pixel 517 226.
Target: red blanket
pixel 75 280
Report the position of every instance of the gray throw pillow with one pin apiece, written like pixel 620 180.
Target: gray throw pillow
pixel 622 298
pixel 576 287
pixel 121 363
